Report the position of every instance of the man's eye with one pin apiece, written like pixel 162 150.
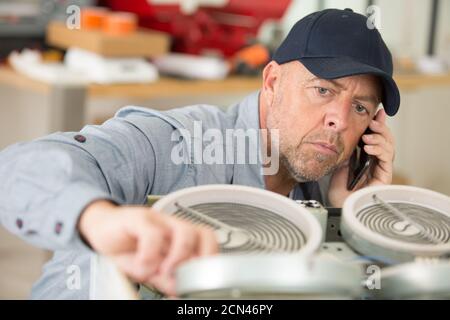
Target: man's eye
pixel 322 91
pixel 360 109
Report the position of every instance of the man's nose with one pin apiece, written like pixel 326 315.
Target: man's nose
pixel 337 115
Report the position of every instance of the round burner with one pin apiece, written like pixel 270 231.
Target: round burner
pixel 397 223
pixel 246 220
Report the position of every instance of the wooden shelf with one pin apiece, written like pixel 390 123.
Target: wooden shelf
pixel 417 80
pixel 9 77
pixel 172 87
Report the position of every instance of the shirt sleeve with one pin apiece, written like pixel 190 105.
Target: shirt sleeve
pixel 46 184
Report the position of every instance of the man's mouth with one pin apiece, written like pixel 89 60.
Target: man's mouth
pixel 325 147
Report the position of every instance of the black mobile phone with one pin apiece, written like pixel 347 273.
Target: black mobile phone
pixel 360 163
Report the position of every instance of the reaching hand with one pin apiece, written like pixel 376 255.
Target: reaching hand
pixel 147 246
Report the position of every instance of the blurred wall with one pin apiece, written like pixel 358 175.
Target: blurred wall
pixel 404 23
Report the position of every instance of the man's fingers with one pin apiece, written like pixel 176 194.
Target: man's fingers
pixel 184 241
pixel 380 152
pixel 153 245
pixel 127 264
pixel 144 263
pixel 149 240
pixel 165 283
pixel 382 129
pixel 381 116
pixel 208 244
pixel 374 139
pixel 384 167
pixel 379 141
pixel 380 144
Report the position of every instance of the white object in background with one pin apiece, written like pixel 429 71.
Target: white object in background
pixel 431 65
pixel 29 62
pixel 191 66
pixel 103 70
pixel 190 6
pixel 107 282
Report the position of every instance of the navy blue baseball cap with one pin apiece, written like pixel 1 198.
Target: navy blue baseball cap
pixel 335 43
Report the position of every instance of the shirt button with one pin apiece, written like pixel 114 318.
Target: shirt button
pixel 58 227
pixel 80 138
pixel 19 223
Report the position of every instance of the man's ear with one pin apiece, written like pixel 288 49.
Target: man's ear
pixel 271 77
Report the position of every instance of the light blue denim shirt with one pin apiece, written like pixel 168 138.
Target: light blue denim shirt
pixel 46 183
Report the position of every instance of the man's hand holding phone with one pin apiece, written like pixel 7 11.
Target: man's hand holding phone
pixel 380 145
pixel 360 164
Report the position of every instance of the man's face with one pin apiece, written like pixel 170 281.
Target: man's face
pixel 319 121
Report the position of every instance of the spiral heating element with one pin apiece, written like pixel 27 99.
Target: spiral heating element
pixel 436 225
pixel 245 228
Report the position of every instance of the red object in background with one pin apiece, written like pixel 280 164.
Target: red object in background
pixel 226 29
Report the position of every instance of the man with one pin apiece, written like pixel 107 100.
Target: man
pixel 71 192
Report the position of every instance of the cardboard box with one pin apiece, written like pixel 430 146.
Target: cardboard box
pixel 142 43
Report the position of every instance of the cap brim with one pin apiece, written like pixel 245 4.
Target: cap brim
pixel 339 67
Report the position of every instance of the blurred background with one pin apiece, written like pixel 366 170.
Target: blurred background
pixel 65 64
